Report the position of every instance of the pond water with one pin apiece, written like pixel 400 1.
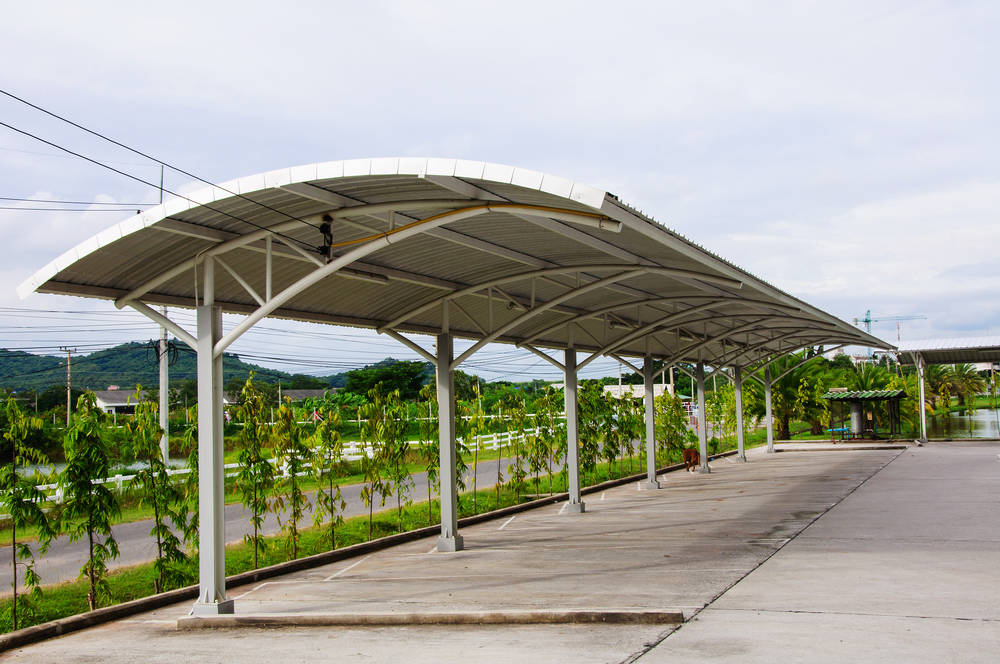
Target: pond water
pixel 981 423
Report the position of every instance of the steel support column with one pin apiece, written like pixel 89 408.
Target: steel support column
pixel 923 409
pixel 211 480
pixel 164 394
pixel 741 454
pixel 699 375
pixel 647 381
pixel 768 420
pixel 572 439
pixel 449 539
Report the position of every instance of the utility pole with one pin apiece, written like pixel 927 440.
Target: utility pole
pixel 69 391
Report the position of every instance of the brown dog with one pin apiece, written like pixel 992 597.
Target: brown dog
pixel 692 459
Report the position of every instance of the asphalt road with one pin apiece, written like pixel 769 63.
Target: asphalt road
pixel 64 558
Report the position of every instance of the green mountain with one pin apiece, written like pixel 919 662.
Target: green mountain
pixel 128 365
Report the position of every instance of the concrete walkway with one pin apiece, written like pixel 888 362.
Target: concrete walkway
pixel 864 555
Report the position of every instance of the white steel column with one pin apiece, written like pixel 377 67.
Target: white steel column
pixel 769 421
pixel 449 539
pixel 702 420
pixel 211 534
pixel 923 408
pixel 741 454
pixel 572 440
pixel 647 381
pixel 164 394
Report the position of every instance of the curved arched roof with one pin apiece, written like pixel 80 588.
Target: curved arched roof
pixel 492 252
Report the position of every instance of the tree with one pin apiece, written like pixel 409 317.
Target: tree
pixel 89 508
pixel 670 425
pixel 517 416
pixel 22 500
pixel 375 456
pixel 429 449
pixel 594 421
pixel 327 463
pixel 966 382
pixel 255 477
pixel 292 453
pixel 190 488
pixel 404 377
pixel 474 432
pixel 153 486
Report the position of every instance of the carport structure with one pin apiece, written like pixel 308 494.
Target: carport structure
pixel 945 351
pixel 447 248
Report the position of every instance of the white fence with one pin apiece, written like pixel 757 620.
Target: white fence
pixel 353 451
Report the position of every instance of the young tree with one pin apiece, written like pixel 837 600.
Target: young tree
pixel 375 456
pixel 190 486
pixel 517 416
pixel 393 434
pixel 89 508
pixel 153 486
pixel 327 462
pixel 292 453
pixel 670 422
pixel 594 418
pixel 22 501
pixel 477 428
pixel 255 478
pixel 430 446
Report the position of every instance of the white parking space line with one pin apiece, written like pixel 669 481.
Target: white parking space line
pixel 506 522
pixel 349 567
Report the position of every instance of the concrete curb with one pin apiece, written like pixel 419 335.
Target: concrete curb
pixel 80 621
pixel 623 617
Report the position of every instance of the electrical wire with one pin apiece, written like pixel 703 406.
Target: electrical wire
pixel 151 158
pixel 146 182
pixel 49 200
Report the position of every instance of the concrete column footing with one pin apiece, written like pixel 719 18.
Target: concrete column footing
pixel 575 508
pixel 704 469
pixel 651 485
pixel 225 607
pixel 450 544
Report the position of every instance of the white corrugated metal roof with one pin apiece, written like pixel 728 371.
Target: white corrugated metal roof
pixel 954 350
pixel 520 256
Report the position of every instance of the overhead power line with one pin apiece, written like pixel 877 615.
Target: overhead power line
pixel 49 200
pixel 147 182
pixel 152 158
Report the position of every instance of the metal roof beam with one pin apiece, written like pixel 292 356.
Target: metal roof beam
pixel 531 313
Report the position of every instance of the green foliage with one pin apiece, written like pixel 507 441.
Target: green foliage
pixel 190 487
pixel 21 500
pixel 550 440
pixel 292 454
pixel 153 486
pixel 516 417
pixel 255 478
pixel 375 431
pixel 429 449
pixel 403 377
pixel 327 463
pixel 595 418
pixel 670 425
pixel 88 508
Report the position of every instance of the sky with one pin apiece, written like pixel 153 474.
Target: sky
pixel 846 152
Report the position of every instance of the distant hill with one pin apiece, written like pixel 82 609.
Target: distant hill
pixel 126 365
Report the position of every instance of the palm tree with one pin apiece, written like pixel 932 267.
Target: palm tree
pixel 965 382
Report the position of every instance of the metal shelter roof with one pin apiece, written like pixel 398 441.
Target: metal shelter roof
pixel 489 252
pixel 865 395
pixel 951 351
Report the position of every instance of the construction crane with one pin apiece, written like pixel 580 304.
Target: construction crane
pixel 868 320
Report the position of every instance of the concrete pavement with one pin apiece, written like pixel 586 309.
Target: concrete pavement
pixel 872 555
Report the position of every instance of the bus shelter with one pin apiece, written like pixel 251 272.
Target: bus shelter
pixel 437 250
